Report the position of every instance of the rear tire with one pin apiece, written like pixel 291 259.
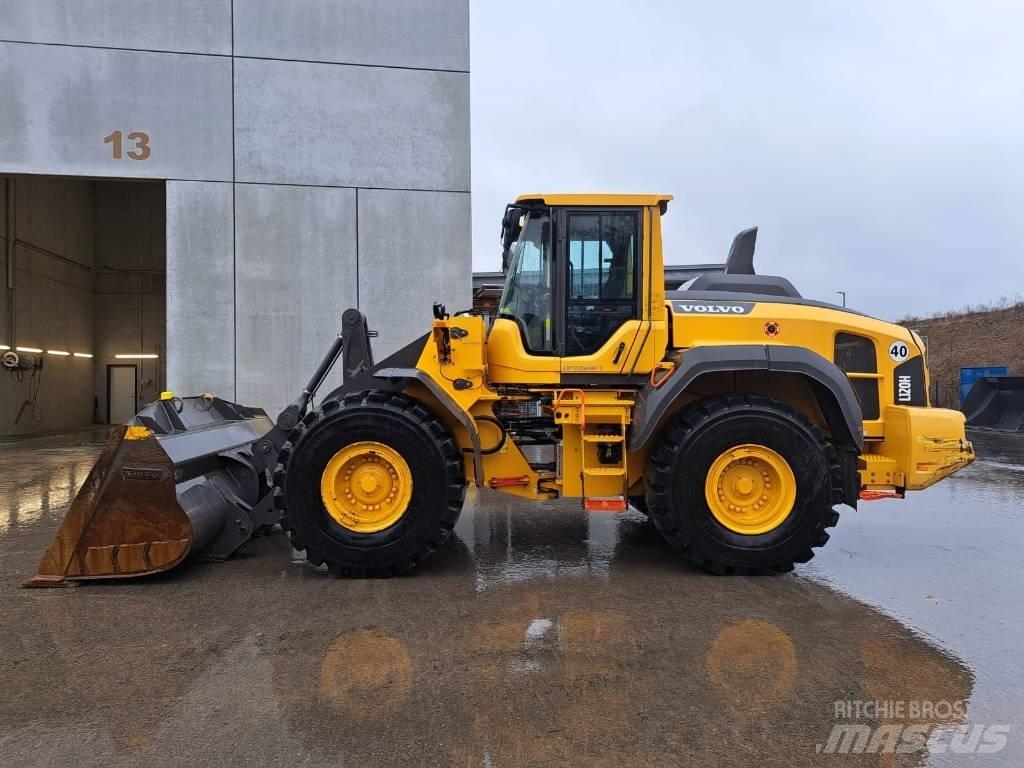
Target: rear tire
pixel 677 496
pixel 402 425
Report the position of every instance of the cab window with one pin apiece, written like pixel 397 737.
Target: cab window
pixel 527 295
pixel 603 280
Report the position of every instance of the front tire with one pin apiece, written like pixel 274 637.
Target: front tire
pixel 744 484
pixel 370 485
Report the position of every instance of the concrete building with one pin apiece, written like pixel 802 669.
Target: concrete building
pixel 212 182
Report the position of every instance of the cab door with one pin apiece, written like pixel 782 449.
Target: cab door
pixel 600 252
pixel 521 345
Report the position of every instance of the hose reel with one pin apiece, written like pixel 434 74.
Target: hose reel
pixel 24 361
pixel 17 363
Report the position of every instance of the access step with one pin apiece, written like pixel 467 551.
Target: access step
pixel 878 470
pixel 604 439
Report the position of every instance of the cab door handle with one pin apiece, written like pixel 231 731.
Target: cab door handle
pixel 618 353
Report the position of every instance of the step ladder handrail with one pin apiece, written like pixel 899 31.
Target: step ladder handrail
pixel 583 403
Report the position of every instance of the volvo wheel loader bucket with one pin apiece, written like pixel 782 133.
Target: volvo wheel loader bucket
pixel 996 402
pixel 184 476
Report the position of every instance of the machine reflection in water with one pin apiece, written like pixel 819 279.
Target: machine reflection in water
pixel 592 646
pixel 556 637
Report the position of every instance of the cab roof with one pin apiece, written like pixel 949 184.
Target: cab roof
pixel 601 199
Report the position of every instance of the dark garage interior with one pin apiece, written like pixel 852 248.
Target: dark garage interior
pixel 84 269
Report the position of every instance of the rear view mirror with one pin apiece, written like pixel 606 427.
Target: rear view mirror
pixel 511 226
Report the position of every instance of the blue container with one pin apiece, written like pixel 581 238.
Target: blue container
pixel 970 375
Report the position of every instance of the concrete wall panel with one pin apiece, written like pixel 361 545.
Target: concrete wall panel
pixel 191 26
pixel 38 204
pixel 131 226
pixel 337 125
pixel 414 249
pixel 53 302
pixel 60 103
pixel 200 289
pixel 428 34
pixel 296 251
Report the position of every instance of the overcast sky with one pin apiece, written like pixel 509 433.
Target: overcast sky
pixel 879 145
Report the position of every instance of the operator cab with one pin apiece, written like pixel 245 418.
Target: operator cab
pixel 573 273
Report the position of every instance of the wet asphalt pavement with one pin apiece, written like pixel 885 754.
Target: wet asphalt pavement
pixel 540 636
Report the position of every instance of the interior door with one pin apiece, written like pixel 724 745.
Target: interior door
pixel 122 396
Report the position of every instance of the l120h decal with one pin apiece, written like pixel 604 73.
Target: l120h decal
pixel 908 382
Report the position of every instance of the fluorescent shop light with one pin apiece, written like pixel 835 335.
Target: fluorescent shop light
pixel 58 352
pixel 136 357
pixel 4 346
pixel 82 354
pixel 29 349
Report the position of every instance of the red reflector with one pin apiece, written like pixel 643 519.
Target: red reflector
pixel 605 504
pixel 876 495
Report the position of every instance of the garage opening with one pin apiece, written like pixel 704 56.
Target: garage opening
pixel 82 312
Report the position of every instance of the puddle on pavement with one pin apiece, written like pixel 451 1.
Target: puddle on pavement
pixel 540 636
pixel 40 489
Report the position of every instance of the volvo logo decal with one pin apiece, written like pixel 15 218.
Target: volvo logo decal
pixel 713 307
pixel 147 474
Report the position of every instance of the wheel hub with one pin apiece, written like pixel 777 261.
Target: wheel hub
pixel 750 489
pixel 366 487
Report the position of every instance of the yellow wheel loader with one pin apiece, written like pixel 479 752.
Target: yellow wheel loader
pixel 735 413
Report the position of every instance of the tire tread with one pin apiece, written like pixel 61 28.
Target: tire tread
pixel 658 477
pixel 410 410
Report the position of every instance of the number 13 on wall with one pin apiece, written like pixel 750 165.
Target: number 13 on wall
pixel 138 140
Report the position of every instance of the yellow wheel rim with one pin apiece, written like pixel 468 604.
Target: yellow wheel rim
pixel 366 487
pixel 750 489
